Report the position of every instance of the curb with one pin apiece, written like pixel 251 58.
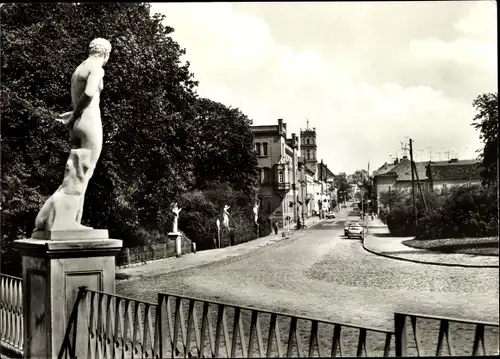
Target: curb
pixel 381 254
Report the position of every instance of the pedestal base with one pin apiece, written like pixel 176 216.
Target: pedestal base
pixel 71 235
pixel 53 270
pixel 176 237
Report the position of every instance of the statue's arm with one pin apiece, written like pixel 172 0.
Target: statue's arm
pixel 91 88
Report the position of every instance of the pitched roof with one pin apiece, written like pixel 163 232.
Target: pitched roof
pixel 403 170
pixel 460 170
pixel 441 170
pixel 384 169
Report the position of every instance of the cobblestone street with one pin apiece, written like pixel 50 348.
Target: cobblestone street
pixel 320 273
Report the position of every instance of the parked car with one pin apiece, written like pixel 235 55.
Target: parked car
pixel 355 230
pixel 346 226
pixel 330 215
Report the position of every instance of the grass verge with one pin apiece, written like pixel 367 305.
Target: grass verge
pixel 486 246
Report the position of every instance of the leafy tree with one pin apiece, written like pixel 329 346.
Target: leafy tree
pixel 486 121
pixel 146 108
pixel 160 140
pixel 202 208
pixel 225 152
pixel 359 176
pixel 342 185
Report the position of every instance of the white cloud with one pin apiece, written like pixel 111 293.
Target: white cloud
pixel 365 75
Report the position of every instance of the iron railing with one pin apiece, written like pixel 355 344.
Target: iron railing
pixel 104 325
pixel 432 335
pixel 257 333
pixel 11 314
pixel 120 327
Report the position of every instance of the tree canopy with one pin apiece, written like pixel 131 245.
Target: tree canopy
pixel 160 139
pixel 486 121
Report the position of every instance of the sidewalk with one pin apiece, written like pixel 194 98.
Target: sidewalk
pixel 379 241
pixel 209 256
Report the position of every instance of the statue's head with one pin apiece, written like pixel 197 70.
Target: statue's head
pixel 101 48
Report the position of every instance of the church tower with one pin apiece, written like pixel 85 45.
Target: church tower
pixel 308 147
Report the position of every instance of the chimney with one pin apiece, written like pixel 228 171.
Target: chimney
pixel 405 157
pixel 396 161
pixel 453 160
pixel 280 125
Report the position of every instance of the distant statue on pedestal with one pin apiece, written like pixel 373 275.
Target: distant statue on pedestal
pixel 176 210
pixel 256 212
pixel 226 216
pixel 85 132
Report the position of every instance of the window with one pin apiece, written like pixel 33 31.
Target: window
pixel 281 177
pixel 257 148
pixel 307 141
pixel 308 154
pixel 264 148
pixel 266 178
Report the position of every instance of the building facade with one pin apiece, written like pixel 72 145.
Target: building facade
pixel 438 176
pixel 292 183
pixel 277 161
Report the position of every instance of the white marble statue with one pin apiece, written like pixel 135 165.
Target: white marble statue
pixel 256 212
pixel 176 210
pixel 226 216
pixel 60 211
pixel 84 122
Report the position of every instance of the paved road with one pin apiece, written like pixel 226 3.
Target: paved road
pixel 322 274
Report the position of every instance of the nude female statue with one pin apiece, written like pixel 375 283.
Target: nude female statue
pixel 176 210
pixel 256 212
pixel 226 216
pixel 84 122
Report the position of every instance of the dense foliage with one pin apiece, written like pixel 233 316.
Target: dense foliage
pixel 486 121
pixel 461 212
pixel 342 185
pixel 203 206
pixel 160 139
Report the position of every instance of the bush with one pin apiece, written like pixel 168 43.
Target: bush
pixel 465 212
pixel 462 212
pixel 383 215
pixel 202 207
pixel 401 221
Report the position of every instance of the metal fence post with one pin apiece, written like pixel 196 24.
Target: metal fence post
pixel 400 334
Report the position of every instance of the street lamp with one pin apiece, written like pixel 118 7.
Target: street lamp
pixel 362 201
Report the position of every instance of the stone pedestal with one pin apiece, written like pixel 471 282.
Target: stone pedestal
pixel 54 266
pixel 176 238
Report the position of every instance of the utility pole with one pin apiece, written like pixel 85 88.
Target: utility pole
pixel 414 166
pixel 294 175
pixel 413 183
pixel 303 186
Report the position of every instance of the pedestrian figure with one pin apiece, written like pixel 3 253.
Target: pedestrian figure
pixel 275 225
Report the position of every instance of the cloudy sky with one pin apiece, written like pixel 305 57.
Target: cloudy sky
pixel 366 75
